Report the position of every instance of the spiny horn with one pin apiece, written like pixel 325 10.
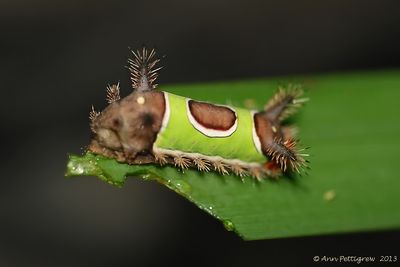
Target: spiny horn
pixel 143 69
pixel 93 114
pixel 284 103
pixel 113 93
pixel 285 154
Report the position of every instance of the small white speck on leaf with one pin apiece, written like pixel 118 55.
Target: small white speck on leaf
pixel 330 195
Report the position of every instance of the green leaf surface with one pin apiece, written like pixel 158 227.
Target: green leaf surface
pixel 352 125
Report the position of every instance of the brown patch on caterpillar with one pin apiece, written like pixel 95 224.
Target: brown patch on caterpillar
pixel 264 130
pixel 120 156
pixel 131 125
pixel 212 116
pixel 94 147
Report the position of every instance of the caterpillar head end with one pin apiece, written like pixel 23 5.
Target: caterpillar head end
pixel 127 128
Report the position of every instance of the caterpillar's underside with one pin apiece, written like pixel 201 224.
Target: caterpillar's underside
pixel 150 126
pixel 204 163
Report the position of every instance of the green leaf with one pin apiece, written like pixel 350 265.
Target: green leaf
pixel 353 128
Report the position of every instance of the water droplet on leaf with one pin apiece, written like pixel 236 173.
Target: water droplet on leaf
pixel 182 186
pixel 229 225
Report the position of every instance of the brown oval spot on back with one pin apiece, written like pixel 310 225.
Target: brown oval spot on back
pixel 212 116
pixel 263 131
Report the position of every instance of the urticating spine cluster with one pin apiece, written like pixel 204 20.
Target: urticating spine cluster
pixel 143 69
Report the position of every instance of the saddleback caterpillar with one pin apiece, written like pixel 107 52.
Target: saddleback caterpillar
pixel 152 126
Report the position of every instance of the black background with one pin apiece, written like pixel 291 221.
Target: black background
pixel 56 59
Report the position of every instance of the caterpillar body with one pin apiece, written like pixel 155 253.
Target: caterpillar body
pixel 152 126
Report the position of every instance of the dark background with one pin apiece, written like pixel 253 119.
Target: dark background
pixel 57 58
